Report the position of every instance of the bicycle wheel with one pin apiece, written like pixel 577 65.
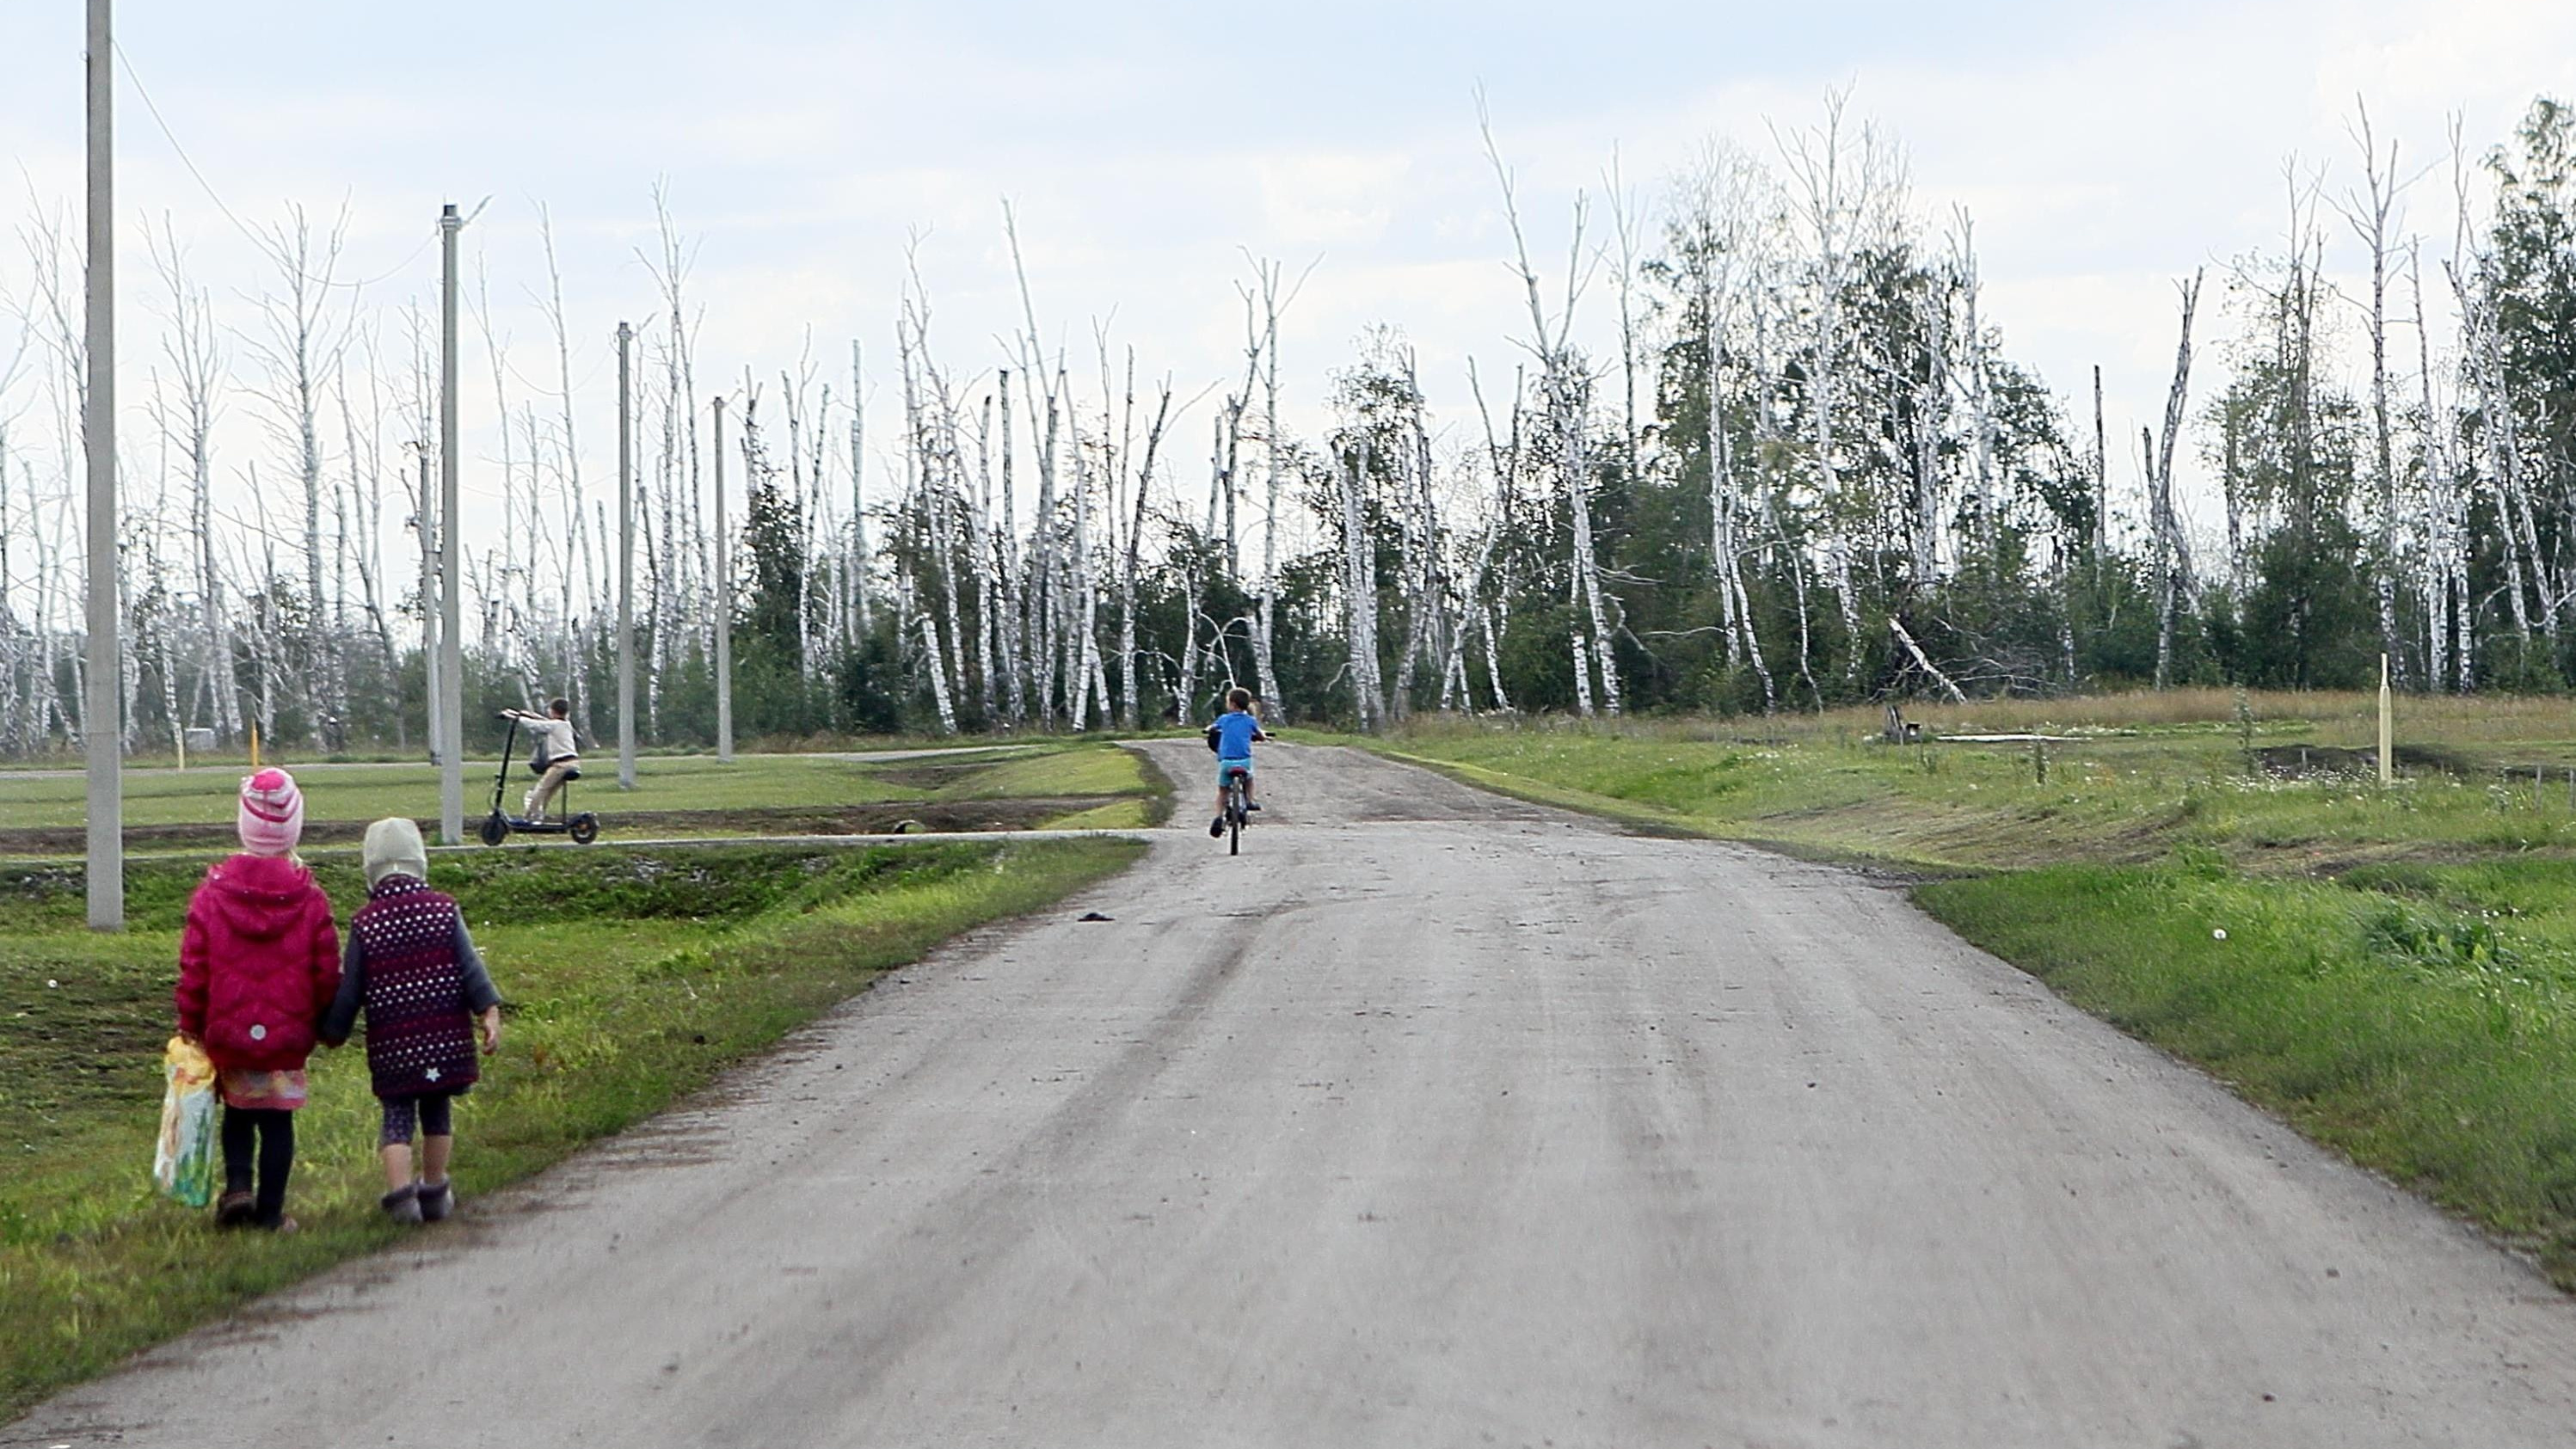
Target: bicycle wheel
pixel 1234 813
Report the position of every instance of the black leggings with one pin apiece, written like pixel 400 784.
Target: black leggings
pixel 428 1111
pixel 275 1129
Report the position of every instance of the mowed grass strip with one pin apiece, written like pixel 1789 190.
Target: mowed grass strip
pixel 2123 798
pixel 633 977
pixel 204 795
pixel 2399 963
pixel 366 792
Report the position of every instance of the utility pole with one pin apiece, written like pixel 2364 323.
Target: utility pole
pixel 625 560
pixel 451 619
pixel 102 705
pixel 435 721
pixel 724 607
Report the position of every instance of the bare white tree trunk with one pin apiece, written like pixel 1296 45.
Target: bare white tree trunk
pixel 1565 392
pixel 1838 185
pixel 938 676
pixel 2445 585
pixel 981 551
pixel 1010 615
pixel 1265 620
pixel 196 364
pixel 1981 406
pixel 1359 599
pixel 858 488
pixel 1129 702
pixel 2369 216
pixel 576 505
pixel 2498 431
pixel 2170 560
pixel 1712 229
pixel 297 351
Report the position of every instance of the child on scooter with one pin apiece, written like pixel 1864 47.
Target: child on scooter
pixel 553 754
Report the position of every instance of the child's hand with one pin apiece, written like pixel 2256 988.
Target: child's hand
pixel 491 1030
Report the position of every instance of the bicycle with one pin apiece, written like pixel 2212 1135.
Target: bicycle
pixel 1238 808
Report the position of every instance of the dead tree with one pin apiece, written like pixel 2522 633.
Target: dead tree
pixel 1565 394
pixel 194 356
pixel 2370 215
pixel 2172 560
pixel 301 347
pixel 1842 182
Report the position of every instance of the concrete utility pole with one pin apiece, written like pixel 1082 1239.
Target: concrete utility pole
pixel 426 519
pixel 451 618
pixel 625 560
pixel 724 607
pixel 102 705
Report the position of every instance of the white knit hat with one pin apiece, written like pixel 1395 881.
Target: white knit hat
pixel 394 848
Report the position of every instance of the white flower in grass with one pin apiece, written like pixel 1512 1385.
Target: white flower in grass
pixel 2218 933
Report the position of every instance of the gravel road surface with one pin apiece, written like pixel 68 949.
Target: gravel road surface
pixel 1434 1119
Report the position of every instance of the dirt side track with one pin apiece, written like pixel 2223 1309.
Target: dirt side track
pixel 1433 1119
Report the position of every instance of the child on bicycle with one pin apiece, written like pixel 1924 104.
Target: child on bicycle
pixel 1232 737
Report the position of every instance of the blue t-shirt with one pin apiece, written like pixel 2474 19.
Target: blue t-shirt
pixel 1234 734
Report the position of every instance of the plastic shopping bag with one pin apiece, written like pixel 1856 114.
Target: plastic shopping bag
pixel 183 1164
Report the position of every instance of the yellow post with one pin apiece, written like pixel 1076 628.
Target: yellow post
pixel 182 734
pixel 2387 727
pixel 254 749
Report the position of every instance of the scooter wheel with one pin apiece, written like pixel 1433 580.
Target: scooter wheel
pixel 496 828
pixel 584 828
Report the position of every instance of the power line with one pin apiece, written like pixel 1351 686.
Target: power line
pixel 255 239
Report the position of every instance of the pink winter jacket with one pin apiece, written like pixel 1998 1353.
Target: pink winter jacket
pixel 259 962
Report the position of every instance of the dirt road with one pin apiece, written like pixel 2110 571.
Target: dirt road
pixel 1431 1120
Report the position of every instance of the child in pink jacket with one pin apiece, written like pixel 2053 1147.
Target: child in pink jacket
pixel 259 961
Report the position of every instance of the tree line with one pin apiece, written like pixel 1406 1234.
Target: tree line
pixel 1761 447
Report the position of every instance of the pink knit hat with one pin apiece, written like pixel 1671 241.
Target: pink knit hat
pixel 271 818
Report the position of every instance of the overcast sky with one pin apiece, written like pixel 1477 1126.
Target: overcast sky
pixel 1147 147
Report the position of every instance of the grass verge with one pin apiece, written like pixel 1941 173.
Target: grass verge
pixel 634 978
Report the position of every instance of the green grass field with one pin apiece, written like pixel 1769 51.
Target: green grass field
pixel 633 978
pixel 2121 789
pixel 2398 973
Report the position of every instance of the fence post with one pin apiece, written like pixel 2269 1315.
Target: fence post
pixel 2387 727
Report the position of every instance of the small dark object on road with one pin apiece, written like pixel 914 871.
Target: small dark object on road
pixel 1094 916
